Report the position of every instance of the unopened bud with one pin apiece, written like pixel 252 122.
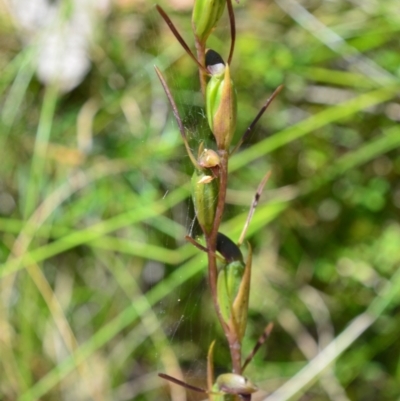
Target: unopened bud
pixel 233 285
pixel 232 383
pixel 209 158
pixel 221 103
pixel 206 14
pixel 205 198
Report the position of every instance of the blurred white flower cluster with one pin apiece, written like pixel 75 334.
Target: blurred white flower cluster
pixel 61 33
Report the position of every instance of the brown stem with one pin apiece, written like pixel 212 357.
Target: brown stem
pixel 258 116
pixel 211 238
pixel 211 241
pixel 253 207
pixel 178 36
pixel 259 343
pixel 181 383
pixel 233 29
pixel 177 117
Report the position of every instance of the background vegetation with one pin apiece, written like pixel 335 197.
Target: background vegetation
pixel 99 290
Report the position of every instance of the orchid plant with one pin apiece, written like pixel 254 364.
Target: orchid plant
pixel 228 272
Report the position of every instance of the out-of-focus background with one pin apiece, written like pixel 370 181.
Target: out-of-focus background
pixel 100 291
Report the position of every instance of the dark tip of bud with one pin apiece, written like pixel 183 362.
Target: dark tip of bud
pixel 214 62
pixel 228 249
pixel 212 58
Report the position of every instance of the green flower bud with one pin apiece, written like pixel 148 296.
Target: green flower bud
pixel 209 158
pixel 241 302
pixel 221 103
pixel 205 198
pixel 232 383
pixel 229 279
pixel 233 285
pixel 206 14
pixel 228 249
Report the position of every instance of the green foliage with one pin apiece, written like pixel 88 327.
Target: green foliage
pixel 99 290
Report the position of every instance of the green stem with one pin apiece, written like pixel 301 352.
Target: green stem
pixel 201 56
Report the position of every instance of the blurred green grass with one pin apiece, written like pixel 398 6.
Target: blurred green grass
pixel 99 290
